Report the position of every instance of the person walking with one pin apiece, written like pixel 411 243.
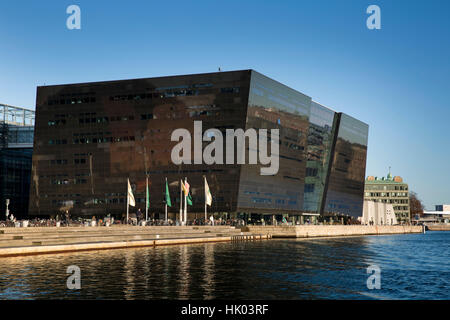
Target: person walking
pixel 67 217
pixel 139 215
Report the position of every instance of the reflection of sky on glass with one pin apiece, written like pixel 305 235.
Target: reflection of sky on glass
pixel 270 93
pixel 353 130
pixel 321 115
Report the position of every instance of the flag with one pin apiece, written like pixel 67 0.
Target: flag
pixel 208 196
pixel 182 185
pixel 185 188
pixel 167 195
pixel 148 197
pixel 130 196
pixel 189 199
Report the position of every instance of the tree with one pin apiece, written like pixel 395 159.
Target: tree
pixel 415 205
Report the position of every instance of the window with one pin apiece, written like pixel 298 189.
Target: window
pixel 58 161
pixel 60 181
pixel 58 141
pixel 148 116
pixel 229 90
pixel 193 114
pixel 71 100
pixel 79 161
pixel 311 172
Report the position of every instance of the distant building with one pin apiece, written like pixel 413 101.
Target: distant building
pixel 440 215
pixel 378 213
pixel 442 207
pixel 16 149
pixel 390 190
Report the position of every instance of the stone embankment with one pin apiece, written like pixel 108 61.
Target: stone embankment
pixel 438 227
pixel 27 241
pixel 311 231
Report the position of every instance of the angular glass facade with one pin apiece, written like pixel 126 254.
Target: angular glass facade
pixel 15 170
pixel 90 138
pixel 16 141
pixel 20 135
pixel 345 189
pixel 272 105
pixel 320 141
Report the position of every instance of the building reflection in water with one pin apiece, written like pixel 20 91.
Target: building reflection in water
pixel 209 270
pixel 165 273
pixel 129 273
pixel 183 273
pixel 333 268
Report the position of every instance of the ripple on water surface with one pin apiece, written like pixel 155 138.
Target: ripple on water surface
pixel 413 266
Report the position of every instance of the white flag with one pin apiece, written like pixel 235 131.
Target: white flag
pixel 208 195
pixel 130 196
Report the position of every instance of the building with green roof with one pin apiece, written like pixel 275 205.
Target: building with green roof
pixel 391 190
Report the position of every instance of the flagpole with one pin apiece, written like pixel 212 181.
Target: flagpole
pixel 166 201
pixel 128 197
pixel 185 203
pixel 146 202
pixel 181 202
pixel 206 214
pixel 184 209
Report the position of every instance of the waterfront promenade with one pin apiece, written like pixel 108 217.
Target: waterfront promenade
pixel 312 231
pixel 40 240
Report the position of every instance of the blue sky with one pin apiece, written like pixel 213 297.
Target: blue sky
pixel 395 79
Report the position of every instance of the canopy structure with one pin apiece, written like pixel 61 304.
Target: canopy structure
pixel 16 115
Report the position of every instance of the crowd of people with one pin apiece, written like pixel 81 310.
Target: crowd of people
pixel 109 221
pixel 64 219
pixel 80 222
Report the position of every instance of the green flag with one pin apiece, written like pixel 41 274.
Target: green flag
pixel 167 196
pixel 189 199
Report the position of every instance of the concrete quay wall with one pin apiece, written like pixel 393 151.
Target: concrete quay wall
pixel 31 241
pixel 33 250
pixel 439 227
pixel 311 231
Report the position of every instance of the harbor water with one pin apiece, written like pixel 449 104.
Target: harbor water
pixel 412 266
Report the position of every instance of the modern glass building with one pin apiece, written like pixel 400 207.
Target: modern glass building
pixel 16 149
pixel 91 137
